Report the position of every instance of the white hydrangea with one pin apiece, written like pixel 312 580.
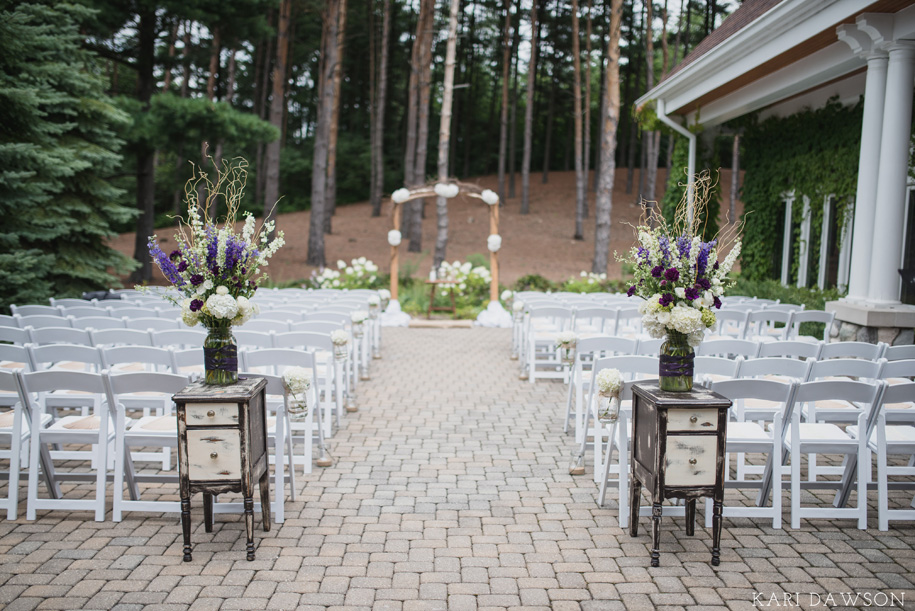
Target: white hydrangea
pixel 695 338
pixel 494 242
pixel 385 294
pixel 490 197
pixel 518 306
pixel 609 381
pixel 400 195
pixel 566 338
pixel 246 310
pixel 374 300
pixel 297 380
pixel 339 337
pixel 221 305
pixel 686 320
pixel 358 316
pixel 506 295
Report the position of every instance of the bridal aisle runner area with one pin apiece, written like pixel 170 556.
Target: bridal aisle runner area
pixel 451 491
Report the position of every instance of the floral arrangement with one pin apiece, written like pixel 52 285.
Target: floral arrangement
pixel 609 384
pixel 358 316
pixel 678 274
pixel 297 381
pixel 216 269
pixel 518 309
pixel 566 339
pixel 360 273
pixel 469 281
pixel 374 302
pixel 385 296
pixel 339 337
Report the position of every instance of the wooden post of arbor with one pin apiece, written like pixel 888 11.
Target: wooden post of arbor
pixel 395 272
pixel 494 256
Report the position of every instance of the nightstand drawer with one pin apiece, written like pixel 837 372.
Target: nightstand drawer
pixel 691 460
pixel 214 455
pixel 207 414
pixel 692 420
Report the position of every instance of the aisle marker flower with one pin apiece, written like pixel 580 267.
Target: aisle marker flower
pixel 297 381
pixel 609 384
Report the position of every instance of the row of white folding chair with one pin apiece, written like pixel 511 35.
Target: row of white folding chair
pixel 107 427
pixel 151 318
pixel 761 323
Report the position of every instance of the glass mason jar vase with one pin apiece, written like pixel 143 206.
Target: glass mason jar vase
pixel 358 330
pixel 298 410
pixel 676 363
pixel 220 356
pixel 608 407
pixel 567 353
pixel 341 351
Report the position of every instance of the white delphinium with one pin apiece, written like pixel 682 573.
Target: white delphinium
pixel 725 268
pixel 494 242
pixel 490 197
pixel 247 231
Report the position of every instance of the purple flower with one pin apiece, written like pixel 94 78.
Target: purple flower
pixel 182 266
pixel 631 291
pixel 692 293
pixel 702 259
pixel 197 279
pixel 704 283
pixel 672 274
pixel 165 264
pixel 175 255
pixel 656 271
pixel 717 303
pixel 715 266
pixel 683 245
pixel 665 300
pixel 664 243
pixel 663 282
pixel 196 305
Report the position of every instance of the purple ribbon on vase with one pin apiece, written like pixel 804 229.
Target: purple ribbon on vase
pixel 222 359
pixel 675 366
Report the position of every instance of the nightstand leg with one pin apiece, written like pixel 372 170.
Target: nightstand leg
pixel 265 499
pixel 635 499
pixel 249 525
pixel 716 532
pixel 186 527
pixel 656 511
pixel 208 511
pixel 690 517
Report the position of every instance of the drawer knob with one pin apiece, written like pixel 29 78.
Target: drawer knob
pixel 692 461
pixel 694 419
pixel 214 455
pixel 211 414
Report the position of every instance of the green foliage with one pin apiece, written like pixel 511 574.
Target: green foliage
pixel 815 154
pixel 477 259
pixel 587 282
pixel 534 282
pixel 58 146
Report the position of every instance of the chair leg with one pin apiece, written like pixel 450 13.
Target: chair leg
pixel 608 456
pixel 623 461
pixel 34 451
pixel 795 480
pixel 569 393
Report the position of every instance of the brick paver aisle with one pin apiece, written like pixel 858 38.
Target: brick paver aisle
pixel 451 491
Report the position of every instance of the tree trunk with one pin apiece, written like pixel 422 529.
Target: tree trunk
pixel 380 99
pixel 180 164
pixel 735 179
pixel 373 94
pixel 656 135
pixel 650 167
pixel 503 116
pixel 551 108
pixel 412 113
pixel 513 118
pixel 580 177
pixel 609 124
pixel 214 64
pixel 444 135
pixel 599 143
pixel 172 38
pixel 676 57
pixel 230 95
pixel 634 130
pixel 469 109
pixel 689 18
pixel 586 146
pixel 427 19
pixel 325 109
pixel 529 117
pixel 277 102
pixel 146 185
pixel 330 200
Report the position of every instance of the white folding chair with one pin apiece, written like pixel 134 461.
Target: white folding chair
pixel 748 437
pixel 331 373
pixel 761 325
pixel 650 346
pixel 152 324
pixel 544 324
pixel 179 338
pixel 94 430
pixel 120 337
pixel 899 353
pixel 14 335
pixel 709 369
pixel 852 350
pixel 891 440
pixel 825 438
pixel 98 322
pixel 790 349
pixel 253 339
pixel 59 335
pixel 729 348
pixel 811 316
pixel 264 325
pixel 732 323
pixel 35 310
pixel 86 311
pixel 591 320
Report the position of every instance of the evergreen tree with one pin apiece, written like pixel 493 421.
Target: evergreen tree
pixel 58 145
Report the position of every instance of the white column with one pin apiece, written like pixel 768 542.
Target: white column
pixel 803 249
pixel 889 216
pixel 868 164
pixel 824 242
pixel 786 242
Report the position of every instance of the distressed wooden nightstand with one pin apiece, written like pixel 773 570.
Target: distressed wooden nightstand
pixel 678 441
pixel 222 447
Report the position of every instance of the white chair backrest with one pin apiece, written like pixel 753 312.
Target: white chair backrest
pixel 98 322
pixel 775 366
pixel 70 302
pixel 179 338
pixel 601 319
pixel 154 324
pixel 607 345
pixel 785 307
pixel 846 368
pixel 286 315
pixel 856 350
pixel 35 310
pixel 899 393
pixel 317 326
pixel 628 320
pixel 811 316
pixel 266 326
pixel 863 394
pixel 16 357
pixel 84 311
pixel 729 347
pixel 303 339
pixel 277 360
pixel 650 346
pixel 41 321
pixel 760 322
pixel 323 316
pixel 898 353
pixel 790 349
pixel 770 391
pixel 48 381
pixel 163 358
pixel 59 335
pixel 253 339
pixel 898 369
pixel 630 367
pixel 50 356
pixel 136 312
pixel 14 335
pixel 120 337
pixel 731 322
pixel 716 366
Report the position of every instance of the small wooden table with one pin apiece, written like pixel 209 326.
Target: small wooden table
pixel 678 442
pixel 432 308
pixel 222 447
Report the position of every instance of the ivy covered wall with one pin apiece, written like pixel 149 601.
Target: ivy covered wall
pixel 814 153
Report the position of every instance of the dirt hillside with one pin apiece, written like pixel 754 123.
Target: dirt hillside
pixel 539 243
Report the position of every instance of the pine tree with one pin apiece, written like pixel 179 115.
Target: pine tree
pixel 58 145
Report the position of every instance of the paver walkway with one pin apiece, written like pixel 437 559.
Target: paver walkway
pixel 451 491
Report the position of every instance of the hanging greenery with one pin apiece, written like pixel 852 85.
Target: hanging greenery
pixel 815 154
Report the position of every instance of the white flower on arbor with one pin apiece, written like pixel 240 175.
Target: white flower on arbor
pixel 400 195
pixel 494 242
pixel 490 197
pixel 443 189
pixel 394 237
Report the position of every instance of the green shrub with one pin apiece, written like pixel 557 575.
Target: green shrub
pixel 534 282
